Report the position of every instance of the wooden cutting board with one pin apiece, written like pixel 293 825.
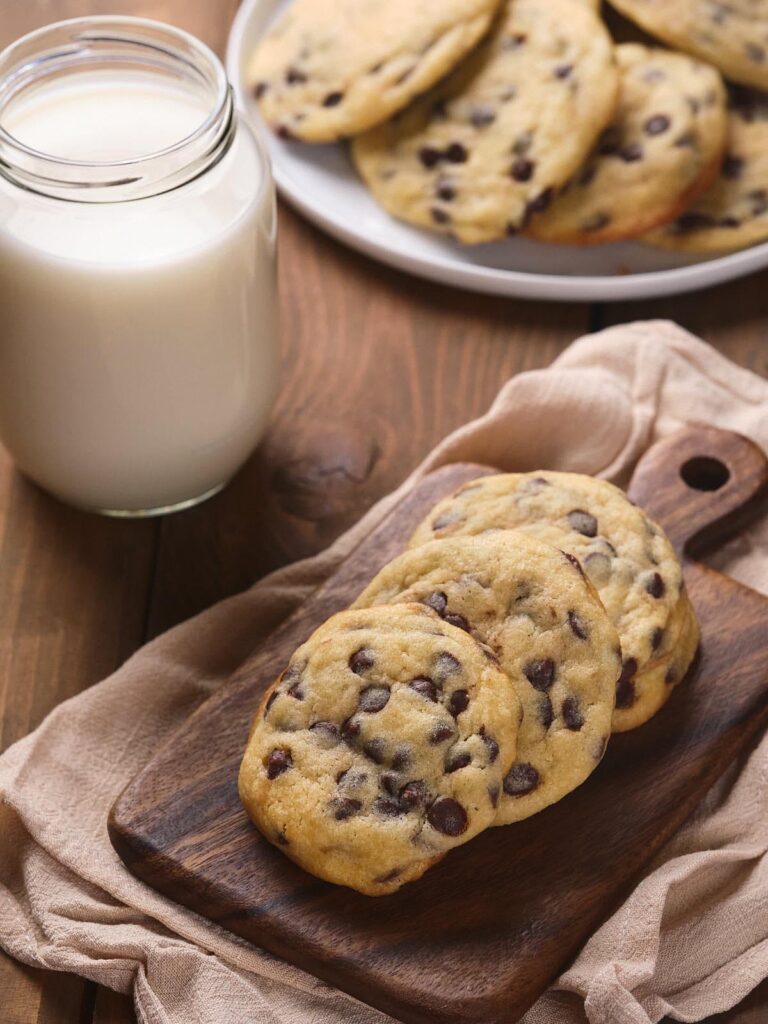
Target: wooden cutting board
pixel 482 934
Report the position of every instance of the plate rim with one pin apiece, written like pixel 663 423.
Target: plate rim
pixel 482 279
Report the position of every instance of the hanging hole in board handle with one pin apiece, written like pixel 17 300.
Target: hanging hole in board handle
pixel 700 484
pixel 703 473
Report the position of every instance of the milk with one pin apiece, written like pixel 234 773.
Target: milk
pixel 138 342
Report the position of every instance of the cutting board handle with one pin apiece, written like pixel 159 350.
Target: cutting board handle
pixel 700 482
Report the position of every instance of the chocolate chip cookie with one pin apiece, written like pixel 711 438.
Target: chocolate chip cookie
pixel 326 72
pixel 476 157
pixel 731 34
pixel 383 745
pixel 661 151
pixel 533 607
pixel 623 552
pixel 733 213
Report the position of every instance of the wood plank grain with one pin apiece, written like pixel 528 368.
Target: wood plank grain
pixel 520 905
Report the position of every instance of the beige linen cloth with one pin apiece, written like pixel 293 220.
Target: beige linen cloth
pixel 692 940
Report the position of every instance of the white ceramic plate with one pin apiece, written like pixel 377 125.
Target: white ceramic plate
pixel 321 182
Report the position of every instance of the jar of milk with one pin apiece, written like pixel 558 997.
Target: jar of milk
pixel 138 335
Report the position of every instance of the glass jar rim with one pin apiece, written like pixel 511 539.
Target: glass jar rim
pixel 135 177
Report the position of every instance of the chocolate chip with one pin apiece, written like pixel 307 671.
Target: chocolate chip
pixel 401 759
pixel 491 745
pixel 439 216
pixel 282 839
pixel 374 750
pixel 456 153
pixel 260 89
pixel 625 687
pixel 454 619
pixel 540 673
pixel 578 628
pixel 494 792
pixel 522 143
pixel 295 77
pixel 541 202
pixel 296 691
pixel 522 169
pixel 447 193
pixel 373 699
pixel 447 816
pixel 657 124
pixel 350 729
pixel 446 665
pixel 361 661
pixel 671 677
pixel 656 586
pixel 344 807
pixel 389 808
pixel 521 778
pixel 481 116
pixel 279 761
pixel 440 734
pixel 563 70
pixel 327 732
pixel 270 701
pixel 425 687
pixel 430 156
pixel 544 711
pixel 572 716
pixel 389 783
pixel 631 153
pixel 333 99
pixel 656 637
pixel 458 702
pixel 413 794
pixel 437 601
pixel 457 761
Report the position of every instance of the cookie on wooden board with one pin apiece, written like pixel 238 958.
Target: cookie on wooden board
pixel 663 148
pixel 733 213
pixel 478 155
pixel 383 745
pixel 328 71
pixel 533 606
pixel 627 557
pixel 731 34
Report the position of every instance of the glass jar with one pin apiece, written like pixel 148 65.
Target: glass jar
pixel 138 331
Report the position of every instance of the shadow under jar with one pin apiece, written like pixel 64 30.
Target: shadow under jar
pixel 138 333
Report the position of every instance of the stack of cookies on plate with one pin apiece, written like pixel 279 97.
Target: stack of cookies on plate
pixel 480 119
pixel 474 682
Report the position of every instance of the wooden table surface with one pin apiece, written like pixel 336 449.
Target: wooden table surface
pixel 376 369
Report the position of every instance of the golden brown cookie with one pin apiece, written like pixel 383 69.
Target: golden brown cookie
pixel 478 155
pixel 733 213
pixel 533 606
pixel 383 745
pixel 624 553
pixel 731 34
pixel 328 71
pixel 662 150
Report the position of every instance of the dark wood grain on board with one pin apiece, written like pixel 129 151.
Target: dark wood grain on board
pixel 481 936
